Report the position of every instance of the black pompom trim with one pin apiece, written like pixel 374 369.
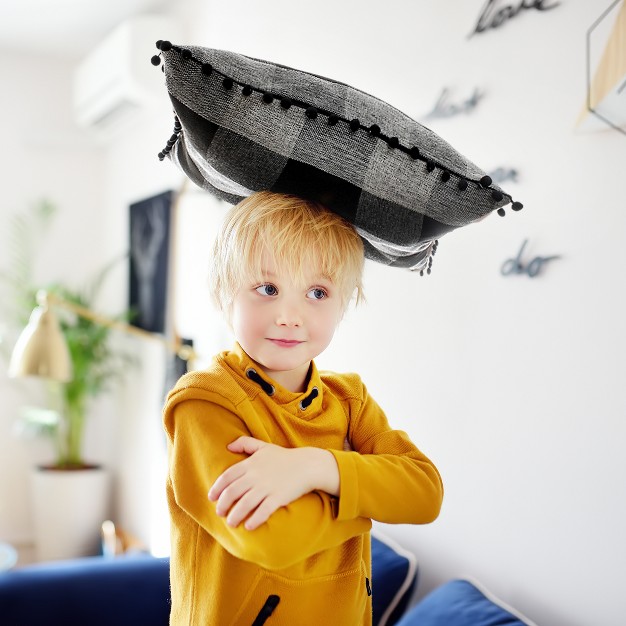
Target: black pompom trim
pixel 172 140
pixel 312 112
pixel 155 60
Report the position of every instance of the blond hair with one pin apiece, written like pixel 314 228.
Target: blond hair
pixel 297 233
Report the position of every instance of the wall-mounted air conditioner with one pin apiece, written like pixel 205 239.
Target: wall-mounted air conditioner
pixel 116 80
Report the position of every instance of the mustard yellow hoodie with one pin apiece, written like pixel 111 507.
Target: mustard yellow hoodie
pixel 309 564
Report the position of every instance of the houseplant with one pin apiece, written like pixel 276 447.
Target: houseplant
pixel 62 489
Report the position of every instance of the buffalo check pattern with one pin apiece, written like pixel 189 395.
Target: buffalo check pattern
pixel 244 125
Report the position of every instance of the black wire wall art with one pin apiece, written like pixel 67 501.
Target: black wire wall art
pixel 447 107
pixel 495 12
pixel 516 266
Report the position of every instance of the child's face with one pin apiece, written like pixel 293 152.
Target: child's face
pixel 283 325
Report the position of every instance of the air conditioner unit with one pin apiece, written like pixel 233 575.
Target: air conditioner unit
pixel 116 80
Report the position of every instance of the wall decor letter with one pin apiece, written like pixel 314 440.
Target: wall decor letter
pixel 515 266
pixel 494 13
pixel 503 174
pixel 445 108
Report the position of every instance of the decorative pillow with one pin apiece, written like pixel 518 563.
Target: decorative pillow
pixel 462 603
pixel 394 576
pixel 244 125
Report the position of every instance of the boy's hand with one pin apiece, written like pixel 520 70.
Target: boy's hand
pixel 271 477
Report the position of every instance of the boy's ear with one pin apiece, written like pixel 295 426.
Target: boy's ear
pixel 244 125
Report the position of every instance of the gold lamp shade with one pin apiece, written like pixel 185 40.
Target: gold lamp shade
pixel 41 349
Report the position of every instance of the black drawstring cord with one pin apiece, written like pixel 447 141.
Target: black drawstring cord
pixel 253 375
pixel 305 403
pixel 268 608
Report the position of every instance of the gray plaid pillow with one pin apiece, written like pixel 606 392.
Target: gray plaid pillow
pixel 244 125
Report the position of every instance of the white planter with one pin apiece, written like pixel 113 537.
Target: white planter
pixel 69 507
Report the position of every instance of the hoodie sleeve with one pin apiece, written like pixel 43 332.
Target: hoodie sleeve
pixel 199 426
pixel 385 477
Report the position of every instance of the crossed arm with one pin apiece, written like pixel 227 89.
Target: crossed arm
pixel 271 477
pixel 385 478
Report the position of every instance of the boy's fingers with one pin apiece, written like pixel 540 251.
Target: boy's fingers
pixel 230 496
pixel 246 445
pixel 260 515
pixel 242 508
pixel 223 480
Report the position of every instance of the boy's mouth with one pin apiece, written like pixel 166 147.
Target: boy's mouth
pixel 285 343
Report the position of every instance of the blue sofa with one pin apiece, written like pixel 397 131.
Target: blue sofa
pixel 134 591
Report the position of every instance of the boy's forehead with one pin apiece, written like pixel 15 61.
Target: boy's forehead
pixel 307 268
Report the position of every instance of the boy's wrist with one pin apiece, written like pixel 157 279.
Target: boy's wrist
pixel 322 471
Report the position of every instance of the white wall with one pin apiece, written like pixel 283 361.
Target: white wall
pixel 510 384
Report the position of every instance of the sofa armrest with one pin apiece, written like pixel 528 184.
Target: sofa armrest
pixel 124 591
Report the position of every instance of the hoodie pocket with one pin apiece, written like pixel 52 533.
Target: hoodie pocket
pixel 334 600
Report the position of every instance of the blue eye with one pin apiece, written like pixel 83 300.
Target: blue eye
pixel 317 294
pixel 267 290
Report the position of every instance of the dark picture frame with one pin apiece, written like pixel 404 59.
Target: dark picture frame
pixel 150 234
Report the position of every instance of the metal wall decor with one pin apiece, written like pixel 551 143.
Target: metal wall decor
pixel 495 12
pixel 444 107
pixel 606 94
pixel 504 174
pixel 531 269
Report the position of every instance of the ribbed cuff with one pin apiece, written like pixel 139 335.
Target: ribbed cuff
pixel 348 485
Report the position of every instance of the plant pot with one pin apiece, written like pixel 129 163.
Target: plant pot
pixel 69 507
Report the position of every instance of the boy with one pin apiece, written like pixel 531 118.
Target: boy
pixel 296 463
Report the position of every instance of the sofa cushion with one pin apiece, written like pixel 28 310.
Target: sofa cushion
pixel 244 125
pixel 394 576
pixel 93 591
pixel 463 603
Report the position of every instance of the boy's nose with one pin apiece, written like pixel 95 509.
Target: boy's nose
pixel 289 316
